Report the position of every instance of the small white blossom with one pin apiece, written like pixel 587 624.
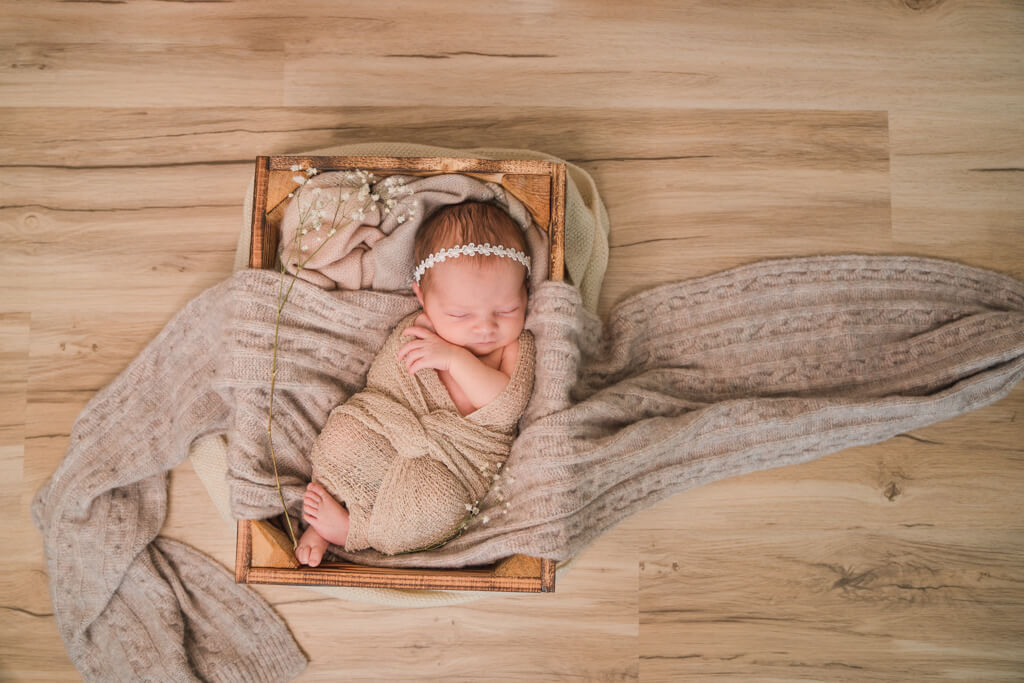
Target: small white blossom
pixel 331 233
pixel 291 194
pixel 401 219
pixel 295 167
pixel 311 171
pixel 485 519
pixel 299 179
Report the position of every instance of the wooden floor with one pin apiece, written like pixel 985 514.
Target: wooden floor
pixel 718 133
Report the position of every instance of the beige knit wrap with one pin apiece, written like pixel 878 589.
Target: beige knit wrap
pixel 403 459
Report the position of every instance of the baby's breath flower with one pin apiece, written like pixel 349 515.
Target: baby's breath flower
pixel 311 171
pixel 295 167
pixel 485 519
pixel 401 219
pixel 291 194
pixel 299 179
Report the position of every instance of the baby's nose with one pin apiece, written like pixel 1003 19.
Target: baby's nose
pixel 487 324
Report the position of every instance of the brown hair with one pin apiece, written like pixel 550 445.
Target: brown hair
pixel 471 221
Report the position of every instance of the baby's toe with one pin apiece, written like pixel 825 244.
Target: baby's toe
pixel 302 554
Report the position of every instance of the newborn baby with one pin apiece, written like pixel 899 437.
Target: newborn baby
pixel 396 464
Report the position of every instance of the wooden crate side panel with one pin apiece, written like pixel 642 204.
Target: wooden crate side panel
pixel 260 245
pixel 423 579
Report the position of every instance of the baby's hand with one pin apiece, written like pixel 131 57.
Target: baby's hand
pixel 428 350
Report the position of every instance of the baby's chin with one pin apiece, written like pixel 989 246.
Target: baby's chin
pixel 481 350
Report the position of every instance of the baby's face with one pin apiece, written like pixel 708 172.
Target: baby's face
pixel 479 307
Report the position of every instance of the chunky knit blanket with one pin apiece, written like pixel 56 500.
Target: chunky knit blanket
pixel 403 459
pixel 762 366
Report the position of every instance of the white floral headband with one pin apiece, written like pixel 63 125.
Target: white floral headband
pixel 468 249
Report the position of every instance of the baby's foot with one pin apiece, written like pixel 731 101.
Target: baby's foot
pixel 311 548
pixel 325 514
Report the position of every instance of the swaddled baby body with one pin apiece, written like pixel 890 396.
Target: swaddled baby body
pixel 395 464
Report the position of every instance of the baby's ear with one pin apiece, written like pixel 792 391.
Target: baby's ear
pixel 418 292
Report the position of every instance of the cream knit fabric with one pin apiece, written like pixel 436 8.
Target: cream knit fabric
pixel 771 364
pixel 402 458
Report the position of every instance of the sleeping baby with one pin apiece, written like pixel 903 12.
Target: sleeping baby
pixel 397 464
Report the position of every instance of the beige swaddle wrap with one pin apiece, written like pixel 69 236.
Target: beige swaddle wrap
pixel 404 461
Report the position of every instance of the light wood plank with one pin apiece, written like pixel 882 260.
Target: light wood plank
pixel 718 134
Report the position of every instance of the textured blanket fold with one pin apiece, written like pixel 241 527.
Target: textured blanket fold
pixel 403 459
pixel 766 365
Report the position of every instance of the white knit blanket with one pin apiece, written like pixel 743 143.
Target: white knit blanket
pixel 762 366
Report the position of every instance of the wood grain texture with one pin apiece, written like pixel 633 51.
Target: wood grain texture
pixel 718 133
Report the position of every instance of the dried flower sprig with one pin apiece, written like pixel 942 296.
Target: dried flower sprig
pixel 493 503
pixel 311 222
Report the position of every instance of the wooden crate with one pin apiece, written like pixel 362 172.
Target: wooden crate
pixel 263 551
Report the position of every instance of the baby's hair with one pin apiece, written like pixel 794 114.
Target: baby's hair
pixel 471 221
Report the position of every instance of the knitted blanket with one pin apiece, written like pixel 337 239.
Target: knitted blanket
pixel 402 458
pixel 766 365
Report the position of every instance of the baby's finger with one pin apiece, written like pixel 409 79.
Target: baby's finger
pixel 407 348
